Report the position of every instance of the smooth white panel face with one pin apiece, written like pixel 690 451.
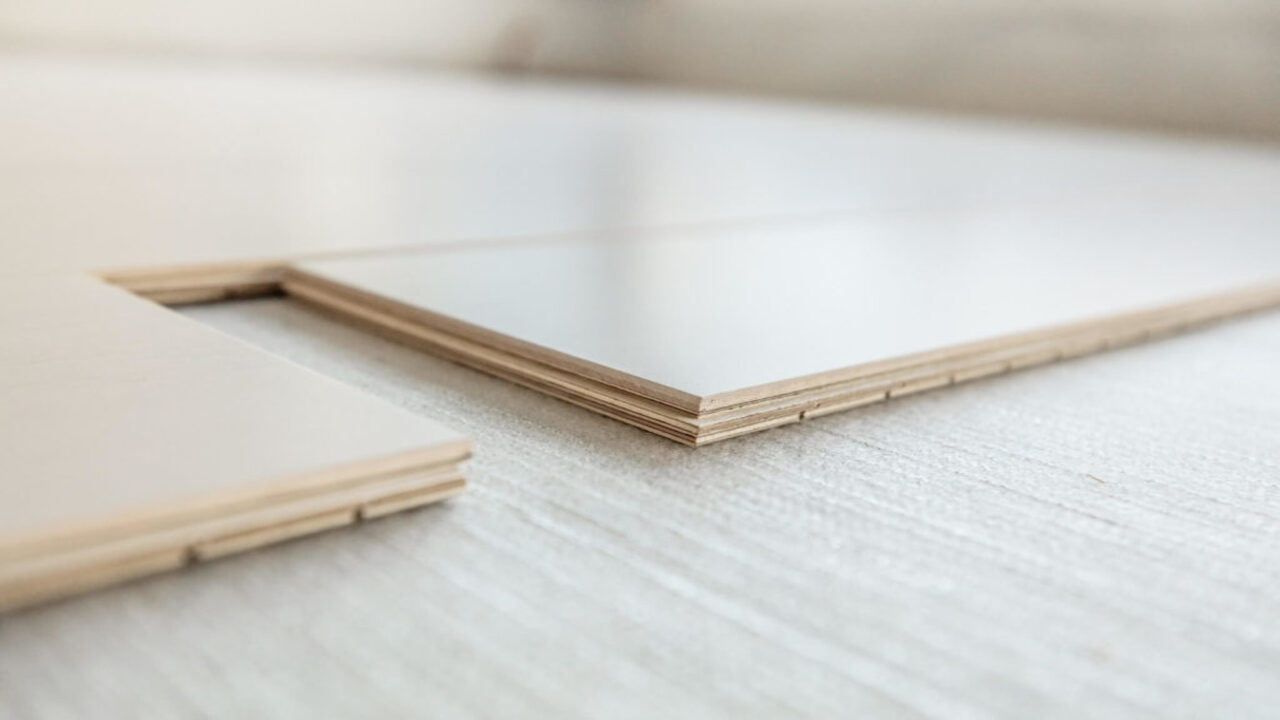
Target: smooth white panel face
pixel 110 404
pixel 712 312
pixel 109 164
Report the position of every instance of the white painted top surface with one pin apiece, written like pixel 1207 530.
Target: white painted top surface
pixel 717 310
pixel 112 407
pixel 109 163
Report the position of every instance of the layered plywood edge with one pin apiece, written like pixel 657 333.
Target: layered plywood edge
pixel 42 571
pixel 201 284
pixel 219 281
pixel 657 410
pixel 139 442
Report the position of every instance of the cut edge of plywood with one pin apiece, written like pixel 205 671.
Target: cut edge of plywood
pixel 95 546
pixel 1021 349
pixel 218 281
pixel 201 283
pixel 792 400
pixel 202 508
pixel 73 571
pixel 298 280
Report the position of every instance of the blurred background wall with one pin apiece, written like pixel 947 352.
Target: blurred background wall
pixel 1208 66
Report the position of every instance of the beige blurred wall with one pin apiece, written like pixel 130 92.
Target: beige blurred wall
pixel 1181 65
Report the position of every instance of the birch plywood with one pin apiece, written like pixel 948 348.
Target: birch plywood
pixel 708 335
pixel 137 441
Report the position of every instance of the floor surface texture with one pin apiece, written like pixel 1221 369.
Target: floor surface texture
pixel 1096 538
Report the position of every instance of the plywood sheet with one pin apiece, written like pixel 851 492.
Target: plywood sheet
pixel 776 320
pixel 125 427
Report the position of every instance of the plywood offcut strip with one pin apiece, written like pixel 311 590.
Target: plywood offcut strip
pixel 139 442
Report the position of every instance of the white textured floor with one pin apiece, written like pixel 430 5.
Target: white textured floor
pixel 1098 538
